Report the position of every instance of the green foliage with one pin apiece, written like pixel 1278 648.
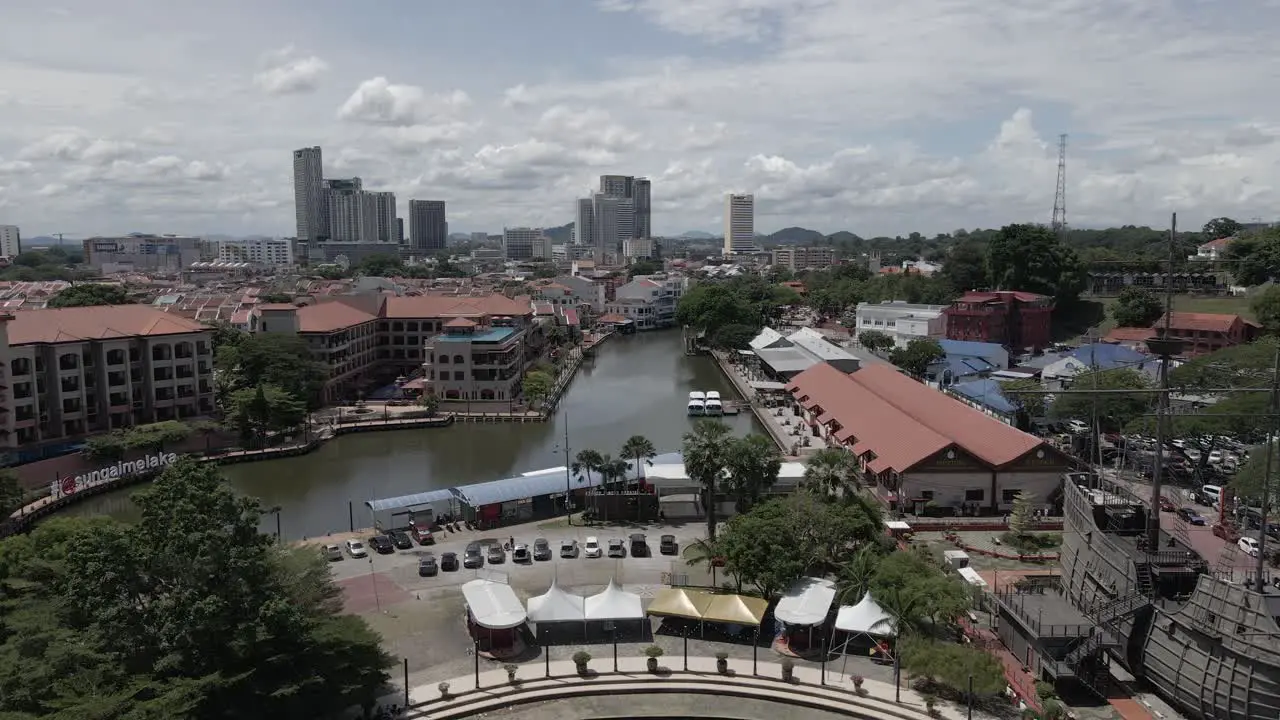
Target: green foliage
pixel 278 360
pixel 917 356
pixel 1239 366
pixel 582 657
pixel 705 459
pixel 279 298
pixel 1220 227
pixel 186 614
pixel 966 266
pixel 748 300
pixel 56 263
pixel 90 294
pixel 117 444
pixel 1030 542
pixel 654 651
pixel 537 386
pixel 11 494
pixel 639 450
pixel 1254 476
pixel 1020 519
pixel 1030 258
pixel 753 463
pixel 1027 395
pixel 259 412
pixel 1114 410
pixel 1255 258
pixel 914 589
pixel 643 267
pixel 587 462
pixel 876 340
pixel 733 337
pixel 429 402
pixel 1266 308
pixel 832 471
pixel 1136 307
pixel 952 664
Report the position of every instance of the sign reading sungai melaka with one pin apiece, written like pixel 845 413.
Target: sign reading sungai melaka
pixel 73 484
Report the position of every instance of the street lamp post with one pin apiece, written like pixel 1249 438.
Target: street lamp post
pixel 276 511
pixel 568 479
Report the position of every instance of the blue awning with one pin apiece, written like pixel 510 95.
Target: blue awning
pixel 405 501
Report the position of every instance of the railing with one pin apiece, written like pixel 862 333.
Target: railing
pixel 1085 648
pixel 1036 623
pixel 1118 609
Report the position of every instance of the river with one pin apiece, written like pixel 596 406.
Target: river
pixel 636 385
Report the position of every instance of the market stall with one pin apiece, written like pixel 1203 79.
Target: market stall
pixel 804 608
pixel 616 613
pixel 558 616
pixel 495 618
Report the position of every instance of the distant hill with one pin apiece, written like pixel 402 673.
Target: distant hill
pixel 843 236
pixel 795 236
pixel 697 235
pixel 561 234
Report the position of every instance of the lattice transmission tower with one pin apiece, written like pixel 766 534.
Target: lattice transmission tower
pixel 1059 223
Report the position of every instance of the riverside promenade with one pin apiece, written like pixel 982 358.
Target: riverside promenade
pixel 790 437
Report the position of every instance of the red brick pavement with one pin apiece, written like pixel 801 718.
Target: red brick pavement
pixel 359 596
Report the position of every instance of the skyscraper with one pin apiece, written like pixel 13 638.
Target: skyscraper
pixel 327 189
pixel 428 227
pixel 617 185
pixel 584 222
pixel 636 190
pixel 642 227
pixel 353 216
pixel 399 231
pixel 525 243
pixel 385 216
pixel 739 223
pixel 608 224
pixel 308 195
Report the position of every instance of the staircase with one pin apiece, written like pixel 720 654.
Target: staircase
pixel 1120 608
pixel 1086 648
pixel 1143 578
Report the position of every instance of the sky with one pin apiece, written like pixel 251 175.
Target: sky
pixel 881 118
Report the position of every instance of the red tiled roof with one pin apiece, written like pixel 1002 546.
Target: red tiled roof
pixel 98 322
pixel 1200 322
pixel 1218 244
pixel 1129 334
pixel 328 317
pixel 460 322
pixel 904 422
pixel 438 306
pixel 612 318
pixel 570 317
pixel 976 296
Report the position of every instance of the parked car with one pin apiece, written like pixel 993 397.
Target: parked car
pixel 541 549
pixel 568 548
pixel 592 548
pixel 639 545
pixel 331 552
pixel 1166 505
pixel 617 548
pixel 1191 516
pixel 473 557
pixel 400 539
pixel 667 545
pixel 449 561
pixel 382 544
pixel 1249 545
pixel 427 566
pixel 356 549
pixel 1078 427
pixel 496 555
pixel 1226 531
pixel 423 535
pixel 521 554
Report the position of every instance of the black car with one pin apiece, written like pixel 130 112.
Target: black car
pixel 541 549
pixel 639 545
pixel 427 566
pixel 668 545
pixel 1191 516
pixel 449 561
pixel 473 557
pixel 382 544
pixel 400 539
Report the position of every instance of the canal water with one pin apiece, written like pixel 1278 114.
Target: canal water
pixel 636 385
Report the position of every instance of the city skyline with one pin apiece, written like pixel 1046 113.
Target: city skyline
pixel 807 105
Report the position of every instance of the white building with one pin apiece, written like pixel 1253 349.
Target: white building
pixel 308 193
pixel 385 217
pixel 584 222
pixel 637 248
pixel 267 252
pixel 649 301
pixel 353 216
pixel 10 241
pixel 902 321
pixel 146 253
pixel 524 243
pixel 803 258
pixel 739 223
pixel 570 291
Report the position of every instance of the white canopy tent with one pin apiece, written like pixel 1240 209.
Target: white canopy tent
pixel 807 602
pixel 614 603
pixel 556 605
pixel 493 605
pixel 866 618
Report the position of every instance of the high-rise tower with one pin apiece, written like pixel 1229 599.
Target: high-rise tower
pixel 308 194
pixel 428 226
pixel 739 223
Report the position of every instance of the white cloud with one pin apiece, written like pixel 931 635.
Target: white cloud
pixel 284 72
pixel 379 102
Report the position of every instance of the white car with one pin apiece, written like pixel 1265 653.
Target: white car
pixel 356 549
pixel 592 548
pixel 1249 546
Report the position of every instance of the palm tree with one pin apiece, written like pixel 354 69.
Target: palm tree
pixel 854 578
pixel 612 471
pixel 703 551
pixel 832 472
pixel 586 462
pixel 705 460
pixel 753 463
pixel 639 449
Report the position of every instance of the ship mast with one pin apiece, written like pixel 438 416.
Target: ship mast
pixel 1164 347
pixel 1273 408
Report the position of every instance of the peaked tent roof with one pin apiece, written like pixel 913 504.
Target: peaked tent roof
pixel 768 338
pixel 556 605
pixel 676 602
pixel 735 609
pixel 493 605
pixel 807 602
pixel 866 617
pixel 614 603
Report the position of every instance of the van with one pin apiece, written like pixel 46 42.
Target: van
pixel 1210 495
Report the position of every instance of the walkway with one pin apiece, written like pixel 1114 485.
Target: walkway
pixel 787 437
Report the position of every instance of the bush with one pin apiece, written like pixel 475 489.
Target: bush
pixel 722 656
pixel 654 651
pixel 1045 690
pixel 511 672
pixel 1031 542
pixel 444 689
pixel 582 657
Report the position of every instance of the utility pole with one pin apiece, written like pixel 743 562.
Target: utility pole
pixel 1273 408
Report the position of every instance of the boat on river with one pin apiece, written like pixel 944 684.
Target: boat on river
pixel 713 406
pixel 697 404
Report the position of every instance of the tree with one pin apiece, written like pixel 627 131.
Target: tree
pixel 1113 410
pixel 761 548
pixel 1030 258
pixel 753 463
pixel 537 386
pixel 587 462
pixel 922 593
pixel 639 449
pixel 1266 308
pixel 917 356
pixel 185 614
pixel 832 472
pixel 268 359
pixel 966 266
pixel 855 576
pixel 11 494
pixel 1020 518
pixel 259 412
pixel 613 471
pixel 429 402
pixel 86 294
pixel 733 337
pixel 1028 395
pixel 953 665
pixel 705 460
pixel 875 340
pixel 1136 307
pixel 1220 227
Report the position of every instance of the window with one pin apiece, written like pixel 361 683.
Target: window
pixel 1008 496
pixel 974 495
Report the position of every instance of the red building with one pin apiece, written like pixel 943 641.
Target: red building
pixel 1207 332
pixel 1011 318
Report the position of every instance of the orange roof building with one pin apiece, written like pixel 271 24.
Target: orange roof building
pixel 918 445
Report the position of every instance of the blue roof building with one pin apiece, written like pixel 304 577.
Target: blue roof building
pixel 967 360
pixel 986 395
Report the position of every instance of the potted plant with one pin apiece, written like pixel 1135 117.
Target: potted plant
pixel 788 669
pixel 511 672
pixel 444 690
pixel 857 684
pixel 653 652
pixel 931 705
pixel 722 662
pixel 580 659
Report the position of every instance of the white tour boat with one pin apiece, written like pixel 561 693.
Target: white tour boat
pixel 697 403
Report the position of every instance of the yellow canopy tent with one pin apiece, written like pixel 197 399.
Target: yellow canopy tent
pixel 676 602
pixel 735 610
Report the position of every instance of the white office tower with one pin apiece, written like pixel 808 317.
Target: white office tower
pixel 525 243
pixel 353 216
pixel 608 221
pixel 385 216
pixel 267 252
pixel 308 193
pixel 10 241
pixel 584 221
pixel 328 188
pixel 617 185
pixel 739 223
pixel 643 226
